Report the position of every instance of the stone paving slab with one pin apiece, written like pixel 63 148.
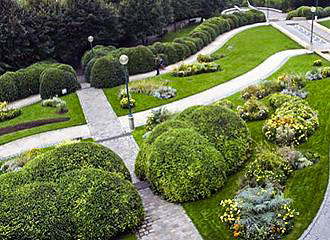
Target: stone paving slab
pixel 43 140
pixel 264 70
pixel 25 102
pixel 101 119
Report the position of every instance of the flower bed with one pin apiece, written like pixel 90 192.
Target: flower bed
pixel 185 70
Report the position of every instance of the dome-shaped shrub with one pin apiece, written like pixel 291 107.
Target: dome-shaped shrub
pixel 107 72
pixel 224 129
pixel 140 163
pixel 52 164
pixel 141 59
pixel 8 90
pixel 53 80
pixel 98 51
pixel 36 212
pixel 101 204
pixel 184 166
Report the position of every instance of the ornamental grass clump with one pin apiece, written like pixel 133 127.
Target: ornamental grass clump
pixel 253 110
pixel 7 113
pixel 260 213
pixel 291 124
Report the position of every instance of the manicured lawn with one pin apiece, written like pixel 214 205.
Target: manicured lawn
pixel 325 23
pixel 37 112
pixel 247 50
pixel 306 186
pixel 169 37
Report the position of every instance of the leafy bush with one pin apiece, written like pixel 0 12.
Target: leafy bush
pixel 224 129
pixel 96 52
pixel 305 11
pixel 314 74
pixel 317 63
pixel 53 164
pixel 107 72
pixel 107 204
pixel 325 72
pixel 224 103
pixel 35 211
pixel 297 159
pixel 25 157
pixel 278 99
pixel 124 102
pixel 253 110
pixel 185 70
pixel 141 160
pixel 205 58
pixel 292 123
pixel 260 91
pixel 158 89
pixel 53 80
pixel 192 171
pixel 259 213
pixel 7 113
pixel 301 93
pixel 57 103
pixel 268 167
pixel 156 117
pixel 8 90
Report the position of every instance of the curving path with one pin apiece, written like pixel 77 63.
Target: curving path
pixel 261 72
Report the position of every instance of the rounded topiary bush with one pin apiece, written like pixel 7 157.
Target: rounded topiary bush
pixel 34 211
pixel 98 51
pixel 8 90
pixel 224 129
pixel 101 204
pixel 140 163
pixel 53 80
pixel 170 51
pixel 107 72
pixel 141 59
pixel 51 165
pixel 184 166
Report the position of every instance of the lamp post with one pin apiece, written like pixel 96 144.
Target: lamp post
pixel 313 10
pixel 90 40
pixel 123 59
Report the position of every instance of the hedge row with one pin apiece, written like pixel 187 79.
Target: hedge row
pixel 190 157
pixel 46 78
pixel 141 58
pixel 76 191
pixel 305 11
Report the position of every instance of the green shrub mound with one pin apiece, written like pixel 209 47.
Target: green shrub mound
pixel 54 79
pixel 107 72
pixel 51 165
pixel 34 211
pixel 305 11
pixel 96 52
pixel 141 160
pixel 8 90
pixel 107 204
pixel 278 99
pixel 183 166
pixel 224 129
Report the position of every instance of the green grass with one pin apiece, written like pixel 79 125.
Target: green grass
pixel 183 32
pixel 306 186
pixel 325 23
pixel 37 112
pixel 249 49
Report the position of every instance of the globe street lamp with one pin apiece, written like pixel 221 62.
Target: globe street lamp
pixel 313 10
pixel 123 59
pixel 90 40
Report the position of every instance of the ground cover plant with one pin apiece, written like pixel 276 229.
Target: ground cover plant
pixel 75 188
pixel 36 112
pixel 325 23
pixel 306 186
pixel 238 60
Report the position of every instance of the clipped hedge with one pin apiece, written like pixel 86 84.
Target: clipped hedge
pixel 305 11
pixel 193 169
pixel 8 89
pixel 54 79
pixel 107 204
pixel 51 165
pixel 224 129
pixel 107 72
pixel 34 211
pixel 96 52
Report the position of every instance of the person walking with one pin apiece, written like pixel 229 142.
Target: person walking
pixel 158 65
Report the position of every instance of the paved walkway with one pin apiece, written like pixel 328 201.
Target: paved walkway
pixel 211 48
pixel 25 102
pixel 165 221
pixel 264 70
pixel 43 140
